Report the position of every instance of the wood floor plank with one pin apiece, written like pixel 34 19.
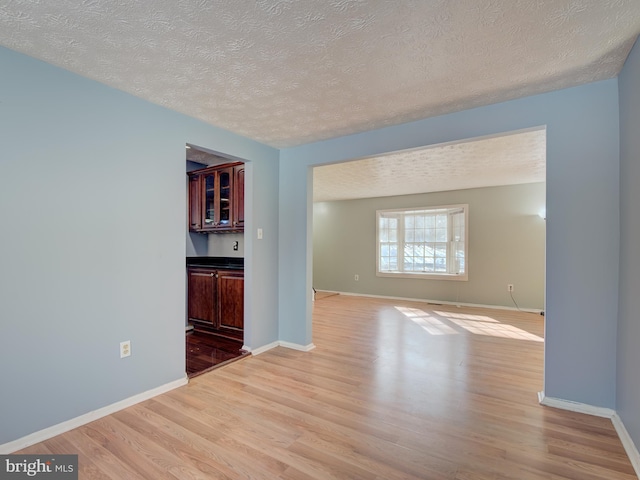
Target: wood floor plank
pixel 394 390
pixel 86 466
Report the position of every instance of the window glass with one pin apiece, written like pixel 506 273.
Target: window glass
pixel 423 242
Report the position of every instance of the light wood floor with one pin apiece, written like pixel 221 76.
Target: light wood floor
pixel 394 390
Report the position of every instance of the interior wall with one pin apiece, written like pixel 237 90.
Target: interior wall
pixel 506 246
pixel 92 201
pixel 582 185
pixel 628 375
pixel 221 244
pixel 261 268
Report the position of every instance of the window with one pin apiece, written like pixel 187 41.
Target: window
pixel 429 242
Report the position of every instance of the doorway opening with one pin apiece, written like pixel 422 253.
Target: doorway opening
pixel 502 179
pixel 214 311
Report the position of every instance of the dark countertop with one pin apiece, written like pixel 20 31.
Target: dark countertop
pixel 230 263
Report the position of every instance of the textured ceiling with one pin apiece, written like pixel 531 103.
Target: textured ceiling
pixel 519 157
pixel 287 72
pixel 509 159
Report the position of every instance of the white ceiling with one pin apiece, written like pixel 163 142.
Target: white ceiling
pixel 515 158
pixel 288 72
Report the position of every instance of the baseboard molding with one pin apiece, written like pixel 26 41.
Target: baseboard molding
pixel 295 346
pixel 627 443
pixel 262 349
pixel 435 302
pixel 76 422
pixel 575 406
pixel 279 343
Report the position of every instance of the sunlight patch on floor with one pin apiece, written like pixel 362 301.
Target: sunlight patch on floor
pixel 483 325
pixel 476 324
pixel 496 330
pixel 432 325
pixel 466 316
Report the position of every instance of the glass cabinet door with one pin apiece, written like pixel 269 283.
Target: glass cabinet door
pixel 225 197
pixel 209 200
pixel 195 204
pixel 213 199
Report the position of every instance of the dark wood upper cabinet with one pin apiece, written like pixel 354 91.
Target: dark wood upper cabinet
pixel 238 197
pixel 217 187
pixel 195 204
pixel 214 195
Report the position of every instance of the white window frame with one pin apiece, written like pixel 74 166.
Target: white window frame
pixel 450 242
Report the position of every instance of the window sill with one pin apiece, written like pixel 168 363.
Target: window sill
pixel 426 276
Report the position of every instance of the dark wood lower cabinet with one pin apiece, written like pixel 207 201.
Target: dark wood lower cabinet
pixel 230 293
pixel 216 301
pixel 202 293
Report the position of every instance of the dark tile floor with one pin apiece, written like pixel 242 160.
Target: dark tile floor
pixel 206 352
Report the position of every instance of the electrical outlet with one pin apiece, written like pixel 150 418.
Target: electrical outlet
pixel 356 277
pixel 510 287
pixel 125 349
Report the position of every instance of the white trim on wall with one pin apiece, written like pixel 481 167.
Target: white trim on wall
pixel 279 343
pixel 50 432
pixel 295 346
pixel 575 406
pixel 434 302
pixel 627 442
pixel 262 349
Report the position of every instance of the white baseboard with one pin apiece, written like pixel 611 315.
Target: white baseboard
pixel 262 349
pixel 575 406
pixel 296 346
pixel 625 438
pixel 279 343
pixel 435 302
pixel 49 432
pixel 627 443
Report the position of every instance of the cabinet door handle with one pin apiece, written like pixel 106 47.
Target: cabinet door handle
pixel 216 275
pixel 211 274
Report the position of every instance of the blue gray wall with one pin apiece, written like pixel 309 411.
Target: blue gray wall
pixel 628 378
pixel 92 243
pixel 582 218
